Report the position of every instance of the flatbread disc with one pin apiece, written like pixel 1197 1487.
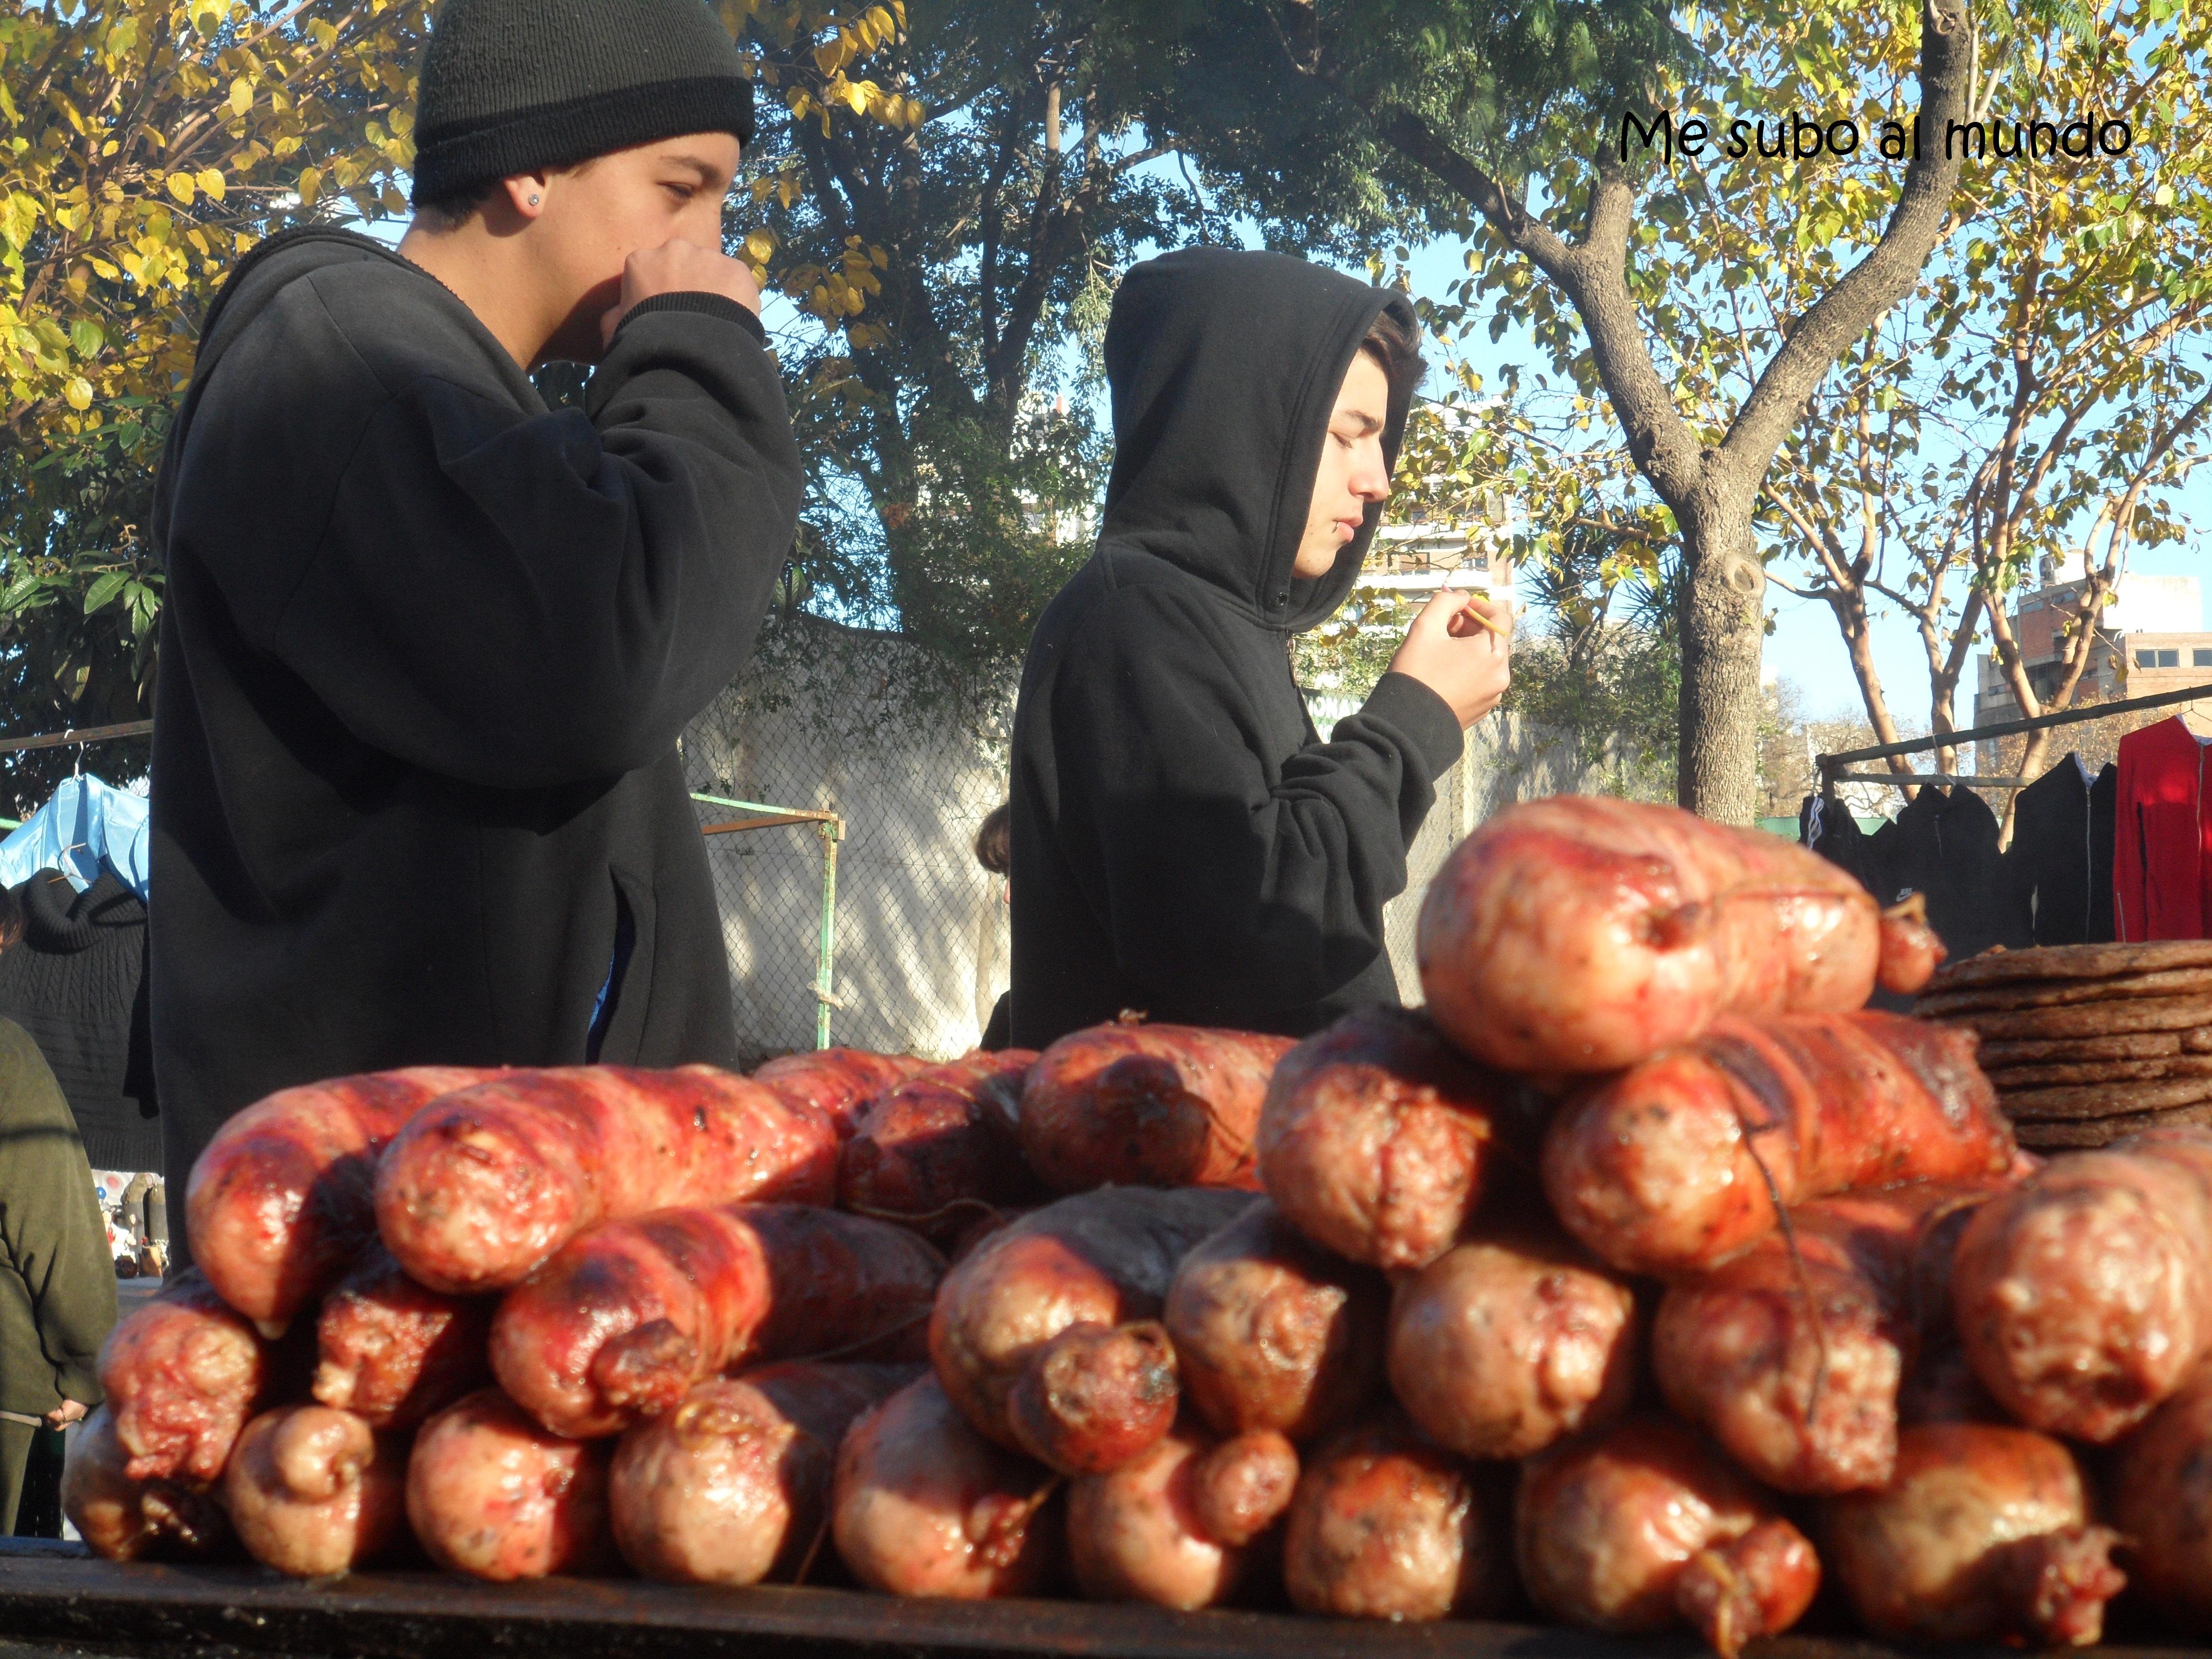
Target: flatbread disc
pixel 2073 1133
pixel 2061 1051
pixel 2072 961
pixel 2104 1099
pixel 2100 1071
pixel 2052 993
pixel 2094 1018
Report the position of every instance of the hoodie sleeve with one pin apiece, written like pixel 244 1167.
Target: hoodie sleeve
pixel 1218 887
pixel 524 600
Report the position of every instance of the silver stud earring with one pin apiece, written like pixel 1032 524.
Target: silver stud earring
pixel 533 201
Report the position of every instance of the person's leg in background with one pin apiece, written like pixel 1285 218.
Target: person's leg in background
pixel 15 1457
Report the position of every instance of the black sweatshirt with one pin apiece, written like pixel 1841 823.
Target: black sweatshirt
pixel 76 982
pixel 2058 871
pixel 1184 843
pixel 426 652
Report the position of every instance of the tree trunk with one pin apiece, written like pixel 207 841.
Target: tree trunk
pixel 1723 623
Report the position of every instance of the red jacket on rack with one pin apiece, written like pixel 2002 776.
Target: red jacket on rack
pixel 2161 856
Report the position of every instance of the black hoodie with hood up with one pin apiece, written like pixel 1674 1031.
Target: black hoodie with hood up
pixel 1183 843
pixel 426 652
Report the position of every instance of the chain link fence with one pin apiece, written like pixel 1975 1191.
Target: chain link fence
pixel 846 721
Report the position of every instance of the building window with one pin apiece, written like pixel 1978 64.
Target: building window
pixel 2201 657
pixel 2157 659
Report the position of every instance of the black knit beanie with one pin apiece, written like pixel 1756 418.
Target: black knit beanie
pixel 512 86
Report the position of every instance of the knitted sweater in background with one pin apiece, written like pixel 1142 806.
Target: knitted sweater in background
pixel 77 983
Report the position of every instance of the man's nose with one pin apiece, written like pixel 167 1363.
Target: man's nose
pixel 1370 479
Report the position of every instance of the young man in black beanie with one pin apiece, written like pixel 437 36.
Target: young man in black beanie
pixel 428 645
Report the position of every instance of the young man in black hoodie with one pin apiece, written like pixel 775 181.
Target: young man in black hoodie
pixel 428 645
pixel 1184 843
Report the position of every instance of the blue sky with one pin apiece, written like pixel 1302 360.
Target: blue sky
pixel 1805 646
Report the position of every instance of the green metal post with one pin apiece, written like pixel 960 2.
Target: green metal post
pixel 825 959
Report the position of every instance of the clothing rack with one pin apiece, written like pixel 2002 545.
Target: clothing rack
pixel 1830 767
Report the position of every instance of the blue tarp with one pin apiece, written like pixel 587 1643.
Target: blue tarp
pixel 88 824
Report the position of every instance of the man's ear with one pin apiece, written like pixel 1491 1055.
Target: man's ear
pixel 526 194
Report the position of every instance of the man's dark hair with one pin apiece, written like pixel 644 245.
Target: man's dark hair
pixel 995 841
pixel 1396 344
pixel 11 918
pixel 452 212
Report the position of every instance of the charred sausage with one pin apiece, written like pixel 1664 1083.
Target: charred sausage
pixel 393 1353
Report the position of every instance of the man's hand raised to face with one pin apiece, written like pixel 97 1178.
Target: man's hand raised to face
pixel 681 267
pixel 1450 650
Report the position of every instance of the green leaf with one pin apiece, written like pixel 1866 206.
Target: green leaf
pixel 106 588
pixel 87 336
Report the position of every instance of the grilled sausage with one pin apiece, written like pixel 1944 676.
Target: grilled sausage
pixel 1136 1105
pixel 1377 1138
pixel 627 1317
pixel 1681 1160
pixel 2084 1297
pixel 492 1495
pixel 481 1187
pixel 280 1203
pixel 1101 1259
pixel 314 1492
pixel 733 1486
pixel 393 1353
pixel 940 1148
pixel 1583 934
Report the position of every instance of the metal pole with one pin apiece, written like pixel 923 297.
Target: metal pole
pixel 2095 711
pixel 825 988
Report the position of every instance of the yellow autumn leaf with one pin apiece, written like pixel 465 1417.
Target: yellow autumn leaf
pixel 311 184
pixel 182 187
pixel 210 181
pixel 759 244
pixel 857 94
pixel 78 393
pixel 242 95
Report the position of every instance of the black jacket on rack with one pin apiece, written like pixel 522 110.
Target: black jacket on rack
pixel 1829 828
pixel 2059 871
pixel 1945 846
pixel 77 983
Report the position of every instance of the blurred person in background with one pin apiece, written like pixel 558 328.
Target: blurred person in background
pixel 56 1276
pixel 994 852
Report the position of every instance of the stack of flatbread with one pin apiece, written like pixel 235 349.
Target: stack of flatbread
pixel 2088 1042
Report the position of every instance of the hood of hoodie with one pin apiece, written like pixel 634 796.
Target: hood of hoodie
pixel 1224 365
pixel 254 282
